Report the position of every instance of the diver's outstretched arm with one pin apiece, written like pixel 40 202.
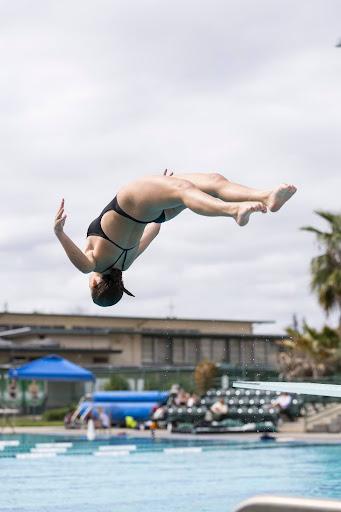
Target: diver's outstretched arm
pixel 83 262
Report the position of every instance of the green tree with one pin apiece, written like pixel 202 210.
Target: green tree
pixel 204 375
pixel 326 267
pixel 310 353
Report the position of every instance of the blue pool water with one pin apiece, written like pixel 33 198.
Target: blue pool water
pixel 216 478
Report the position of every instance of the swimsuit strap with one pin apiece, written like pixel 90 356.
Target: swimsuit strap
pixel 124 252
pixel 116 207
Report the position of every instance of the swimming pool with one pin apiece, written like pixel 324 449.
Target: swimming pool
pixel 199 475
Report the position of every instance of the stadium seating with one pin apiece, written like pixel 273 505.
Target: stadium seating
pixel 245 407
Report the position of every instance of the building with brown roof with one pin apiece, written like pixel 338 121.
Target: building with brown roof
pixel 137 347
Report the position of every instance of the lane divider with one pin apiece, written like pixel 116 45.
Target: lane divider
pixel 55 450
pixel 4 444
pixel 46 455
pixel 112 447
pixel 52 445
pixel 178 451
pixel 111 453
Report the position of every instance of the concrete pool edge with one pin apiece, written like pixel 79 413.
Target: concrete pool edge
pixel 163 434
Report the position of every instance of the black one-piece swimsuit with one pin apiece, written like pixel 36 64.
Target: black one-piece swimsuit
pixel 95 228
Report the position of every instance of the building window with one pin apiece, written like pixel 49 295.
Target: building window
pixel 178 346
pixel 260 353
pixel 163 351
pixel 100 360
pixel 272 354
pixel 247 353
pixel 156 350
pixel 17 360
pixel 234 352
pixel 147 350
pixel 191 351
pixel 218 351
pixel 206 349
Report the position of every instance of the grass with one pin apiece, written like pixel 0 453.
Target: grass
pixel 27 421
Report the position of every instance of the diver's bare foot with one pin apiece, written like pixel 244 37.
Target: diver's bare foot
pixel 245 209
pixel 279 196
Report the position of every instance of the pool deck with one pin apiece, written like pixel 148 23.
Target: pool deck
pixel 163 434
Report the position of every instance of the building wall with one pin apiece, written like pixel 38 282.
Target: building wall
pixel 72 321
pixel 130 344
pixel 146 342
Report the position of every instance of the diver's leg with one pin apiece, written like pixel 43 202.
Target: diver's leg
pixel 147 197
pixel 217 185
pixel 204 204
pixel 274 199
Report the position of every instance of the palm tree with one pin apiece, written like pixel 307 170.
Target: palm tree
pixel 309 353
pixel 326 268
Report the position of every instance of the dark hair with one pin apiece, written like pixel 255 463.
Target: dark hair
pixel 110 290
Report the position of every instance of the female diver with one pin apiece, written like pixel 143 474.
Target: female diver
pixel 131 221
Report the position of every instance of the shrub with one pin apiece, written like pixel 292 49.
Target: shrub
pixel 164 382
pixel 55 414
pixel 117 383
pixel 204 375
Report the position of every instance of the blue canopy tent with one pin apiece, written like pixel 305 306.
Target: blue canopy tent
pixel 56 369
pixel 51 368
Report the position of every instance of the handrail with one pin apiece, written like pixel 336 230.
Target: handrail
pixel 281 504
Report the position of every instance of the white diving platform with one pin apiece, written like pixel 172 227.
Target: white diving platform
pixel 301 388
pixel 278 504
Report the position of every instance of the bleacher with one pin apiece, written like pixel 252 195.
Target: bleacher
pixel 248 410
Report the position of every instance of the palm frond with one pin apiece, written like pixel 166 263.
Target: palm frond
pixel 326 268
pixel 313 230
pixel 310 352
pixel 328 216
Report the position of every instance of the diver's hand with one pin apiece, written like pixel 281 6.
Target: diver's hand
pixel 168 173
pixel 60 219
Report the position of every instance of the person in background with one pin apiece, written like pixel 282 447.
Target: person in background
pixel 159 413
pixel 181 398
pixel 219 409
pixel 173 393
pixel 192 400
pixel 33 389
pixel 68 419
pixel 282 404
pixel 13 389
pixel 104 419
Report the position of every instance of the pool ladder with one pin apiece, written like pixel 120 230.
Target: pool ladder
pixel 281 504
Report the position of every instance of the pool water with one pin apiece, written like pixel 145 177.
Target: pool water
pixel 203 476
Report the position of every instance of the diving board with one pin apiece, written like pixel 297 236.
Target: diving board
pixel 301 388
pixel 288 504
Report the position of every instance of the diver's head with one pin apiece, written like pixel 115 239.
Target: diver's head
pixel 107 289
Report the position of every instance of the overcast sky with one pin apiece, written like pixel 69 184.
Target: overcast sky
pixel 94 94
